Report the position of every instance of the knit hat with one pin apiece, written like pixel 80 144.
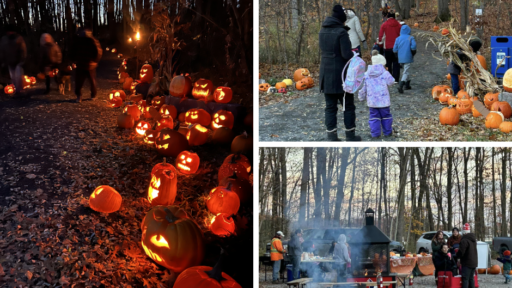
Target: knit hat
pixel 506 253
pixel 339 13
pixel 475 43
pixel 455 228
pixel 391 14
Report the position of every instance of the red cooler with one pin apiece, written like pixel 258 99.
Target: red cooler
pixel 447 280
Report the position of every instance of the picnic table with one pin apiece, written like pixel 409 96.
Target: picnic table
pixel 300 283
pixel 324 260
pixel 403 265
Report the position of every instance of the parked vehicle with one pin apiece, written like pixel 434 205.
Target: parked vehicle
pixel 501 244
pixel 424 243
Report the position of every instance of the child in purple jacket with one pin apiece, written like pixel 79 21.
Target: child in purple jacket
pixel 375 91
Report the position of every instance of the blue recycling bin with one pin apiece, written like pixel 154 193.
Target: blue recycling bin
pixel 501 46
pixel 289 272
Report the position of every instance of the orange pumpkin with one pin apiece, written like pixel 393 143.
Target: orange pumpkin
pixel 436 28
pixel 436 92
pixel 222 200
pixel 198 116
pixel 203 88
pixel 493 120
pixel 475 112
pixel 241 186
pixel 449 116
pixel 263 87
pixel 150 136
pixel 158 102
pixel 142 127
pixel 445 32
pixel 301 85
pixel 235 166
pixel 171 142
pixel 222 95
pixel 223 118
pixel 490 98
pixel 481 270
pixel 495 269
pixel 507 81
pixel 505 127
pixel 206 277
pixel 169 110
pixel 280 85
pixel 9 89
pixel 197 135
pixel 240 159
pixel 117 93
pixel 125 120
pixel 416 25
pixel 127 84
pixel 164 122
pixel 163 185
pixel 133 110
pixel 146 73
pixel 310 82
pixel 464 105
pixel 187 162
pixel 300 74
pixel 105 199
pixel 444 97
pixel 462 93
pixel 180 86
pixel 503 107
pixel 452 100
pixel 242 144
pixel 222 225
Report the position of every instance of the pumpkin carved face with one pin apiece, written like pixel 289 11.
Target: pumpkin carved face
pixel 164 122
pixel 222 225
pixel 264 87
pixel 464 105
pixel 146 113
pixel 187 162
pixel 114 50
pixel 105 199
pixel 146 73
pixel 142 127
pixel 202 89
pixel 199 116
pixel 223 118
pixel 300 74
pixel 490 98
pixel 222 94
pixel 158 102
pixel 301 85
pixel 133 86
pixel 503 107
pixel 197 135
pixel 150 136
pixel 133 110
pixel 26 81
pixel 117 93
pixel 170 142
pixel 9 89
pixel 222 200
pixel 180 86
pixel 309 82
pixel 171 238
pixel 169 110
pixel 163 185
pixel 32 80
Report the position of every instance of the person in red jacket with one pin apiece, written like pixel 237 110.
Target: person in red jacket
pixel 390 30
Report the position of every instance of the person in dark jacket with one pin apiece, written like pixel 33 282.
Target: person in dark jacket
pixel 13 53
pixel 86 53
pixel 51 57
pixel 507 265
pixel 468 256
pixel 391 30
pixel 336 51
pixel 444 261
pixel 454 69
pixel 437 244
pixel 295 252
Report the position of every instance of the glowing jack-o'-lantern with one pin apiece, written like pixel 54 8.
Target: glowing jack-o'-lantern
pixel 122 77
pixel 146 73
pixel 158 102
pixel 170 142
pixel 263 87
pixel 197 135
pixel 146 114
pixel 115 102
pixel 222 200
pixel 150 136
pixel 300 74
pixel 32 80
pixel 187 162
pixel 127 84
pixel 222 94
pixel 142 127
pixel 171 238
pixel 164 122
pixel 114 50
pixel 202 89
pixel 105 199
pixel 26 81
pixel 206 277
pixel 108 49
pixel 180 86
pixel 163 185
pixel 169 110
pixel 199 116
pixel 125 120
pixel 223 118
pixel 134 85
pixel 119 55
pixel 73 65
pixel 9 89
pixel 133 110
pixel 236 165
pixel 222 225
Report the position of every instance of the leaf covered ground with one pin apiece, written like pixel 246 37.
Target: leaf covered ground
pixel 53 154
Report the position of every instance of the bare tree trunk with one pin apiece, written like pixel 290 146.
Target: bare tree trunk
pixel 449 185
pixel 327 185
pixel 504 232
pixel 404 160
pixel 443 11
pixel 466 185
pixel 340 193
pixel 284 184
pixel 352 188
pixel 304 186
pixel 464 14
pixel 495 225
pixel 321 159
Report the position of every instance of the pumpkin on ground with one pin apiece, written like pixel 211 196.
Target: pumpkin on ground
pixel 490 98
pixel 133 110
pixel 187 162
pixel 171 238
pixel 150 136
pixel 180 86
pixel 462 94
pixel 240 159
pixel 223 200
pixel 288 82
pixel 158 102
pixel 436 28
pixel 416 25
pixel 125 120
pixel 146 73
pixel 280 85
pixel 507 81
pixel 169 110
pixel 495 269
pixel 164 122
pixel 449 116
pixel 300 74
pixel 436 92
pixel 445 32
pixel 475 112
pixel 503 107
pixel 206 277
pixel 197 135
pixel 163 185
pixel 222 225
pixel 452 100
pixel 309 82
pixel 105 199
pixel 464 105
pixel 223 135
pixel 223 118
pixel 198 116
pixel 142 127
pixel 493 120
pixel 301 85
pixel 227 169
pixel 115 102
pixel 242 187
pixel 444 97
pixel 505 127
pixel 9 89
pixel 223 94
pixel 127 84
pixel 170 142
pixel 203 88
pixel 242 144
pixel 263 87
pixel 117 93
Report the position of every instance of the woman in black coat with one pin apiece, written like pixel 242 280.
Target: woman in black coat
pixel 336 51
pixel 444 261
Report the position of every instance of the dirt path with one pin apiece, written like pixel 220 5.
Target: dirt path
pixel 302 119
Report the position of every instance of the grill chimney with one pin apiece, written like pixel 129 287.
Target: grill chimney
pixel 369 215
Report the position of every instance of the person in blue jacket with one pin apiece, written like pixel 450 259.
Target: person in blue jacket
pixel 405 49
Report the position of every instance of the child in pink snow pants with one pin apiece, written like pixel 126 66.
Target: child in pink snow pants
pixel 375 92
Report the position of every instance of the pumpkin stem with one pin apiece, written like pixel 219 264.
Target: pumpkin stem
pixel 234 176
pixel 170 217
pixel 228 187
pixel 216 272
pixel 164 160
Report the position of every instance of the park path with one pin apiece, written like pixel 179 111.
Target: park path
pixel 302 119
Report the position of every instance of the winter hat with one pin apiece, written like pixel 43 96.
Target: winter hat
pixel 455 228
pixel 475 43
pixel 506 253
pixel 339 13
pixel 391 15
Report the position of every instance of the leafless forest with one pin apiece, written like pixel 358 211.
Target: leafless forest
pixel 412 190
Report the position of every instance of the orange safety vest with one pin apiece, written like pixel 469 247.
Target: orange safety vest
pixel 276 250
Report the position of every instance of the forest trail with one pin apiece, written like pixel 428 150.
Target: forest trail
pixel 302 119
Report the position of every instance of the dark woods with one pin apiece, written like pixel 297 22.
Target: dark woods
pixel 210 39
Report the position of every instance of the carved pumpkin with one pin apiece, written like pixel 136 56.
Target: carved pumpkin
pixel 146 73
pixel 114 50
pixel 9 89
pixel 449 116
pixel 171 238
pixel 240 159
pixel 163 185
pixel 181 117
pixel 223 94
pixel 164 122
pixel 462 94
pixel 223 118
pixel 280 85
pixel 505 127
pixel 242 144
pixel 288 82
pixel 222 225
pixel 169 110
pixel 309 82
pixel 233 167
pixel 507 81
pixel 180 86
pixel 264 87
pixel 202 89
pixel 115 102
pixel 117 93
pixel 127 84
pixel 452 100
pixel 436 91
pixel 300 74
pixel 444 97
pixel 416 25
pixel 158 102
pixel 125 120
pixel 503 107
pixel 475 112
pixel 133 110
pixel 223 135
pixel 150 136
pixel 142 127
pixel 494 119
pixel 146 113
pixel 33 80
pixel 490 98
pixel 206 277
pixel 197 135
pixel 26 81
pixel 301 85
pixel 133 86
pixel 242 187
pixel 222 200
pixel 482 61
pixel 187 162
pixel 199 116
pixel 122 77
pixel 170 142
pixel 105 199
pixel 464 105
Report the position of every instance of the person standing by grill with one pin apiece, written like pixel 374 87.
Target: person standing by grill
pixel 276 255
pixel 295 252
pixel 341 257
pixel 468 256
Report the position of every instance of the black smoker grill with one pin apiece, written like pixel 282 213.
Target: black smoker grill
pixel 365 245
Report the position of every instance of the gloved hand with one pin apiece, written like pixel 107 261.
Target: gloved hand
pixel 413 52
pixel 365 45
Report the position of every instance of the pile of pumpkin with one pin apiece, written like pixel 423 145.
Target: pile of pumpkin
pixel 495 269
pixel 27 82
pixel 302 78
